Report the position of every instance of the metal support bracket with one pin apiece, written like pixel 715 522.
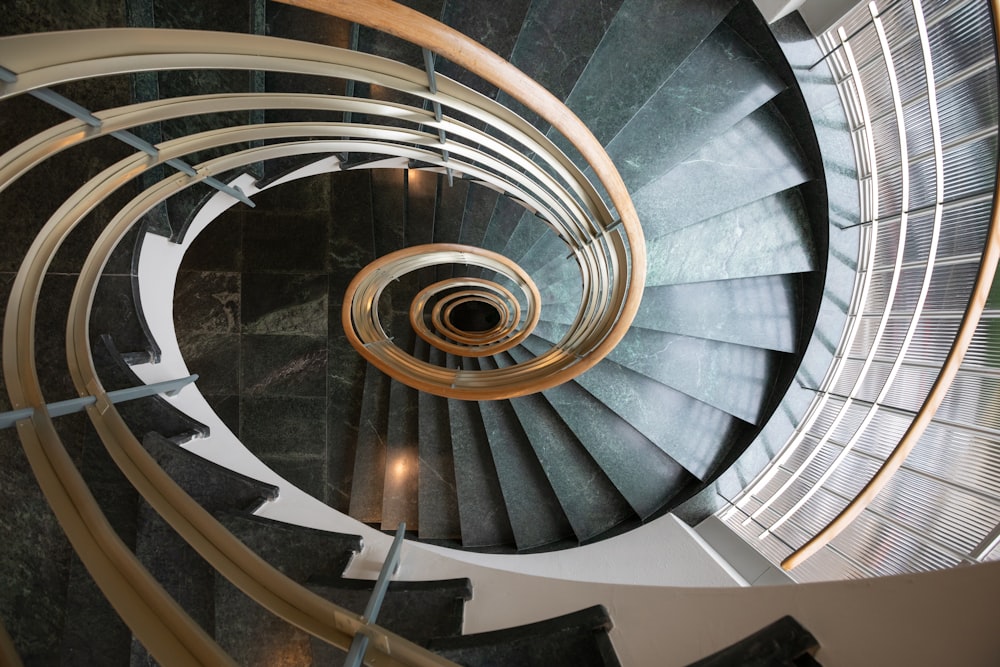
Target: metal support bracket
pixel 74 405
pixel 359 644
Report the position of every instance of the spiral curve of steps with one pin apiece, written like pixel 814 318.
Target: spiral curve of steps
pixel 726 187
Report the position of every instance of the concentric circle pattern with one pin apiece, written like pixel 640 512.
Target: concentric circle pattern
pixel 430 316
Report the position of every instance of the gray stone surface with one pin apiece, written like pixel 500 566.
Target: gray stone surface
pixel 758 312
pixel 557 39
pixel 693 433
pixel 589 499
pixel 718 84
pixel 481 507
pixel 755 158
pixel 579 639
pixel 370 454
pixel 437 494
pixel 645 476
pixel 766 237
pixel 536 514
pixel 633 59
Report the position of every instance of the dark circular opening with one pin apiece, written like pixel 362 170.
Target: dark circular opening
pixel 474 316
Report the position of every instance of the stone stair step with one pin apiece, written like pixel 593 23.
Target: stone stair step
pixel 590 500
pixel 719 83
pixel 763 238
pixel 481 507
pixel 541 53
pixel 579 639
pixel 370 453
pixel 437 491
pixel 757 312
pixel 417 610
pixel 733 378
pixel 536 514
pixel 176 565
pixel 693 433
pixel 755 158
pixel 633 60
pixel 252 635
pixel 640 470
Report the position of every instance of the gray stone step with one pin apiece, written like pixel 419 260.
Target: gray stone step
pixel 755 158
pixel 478 210
pixel 528 232
pixel 176 565
pixel 641 471
pixel 693 433
pixel 633 59
pixel 437 494
pixel 767 237
pixel 481 506
pixel 590 500
pixel 417 610
pixel 579 639
pixel 402 459
pixel 536 515
pixel 718 84
pixel 732 378
pixel 370 453
pixel 541 50
pixel 755 312
pixel 251 634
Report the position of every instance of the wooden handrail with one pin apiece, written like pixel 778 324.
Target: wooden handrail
pixel 949 369
pixel 412 26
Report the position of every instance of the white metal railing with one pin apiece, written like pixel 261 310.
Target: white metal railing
pixel 917 126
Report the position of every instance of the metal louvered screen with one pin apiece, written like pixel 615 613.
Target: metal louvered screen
pixel 919 82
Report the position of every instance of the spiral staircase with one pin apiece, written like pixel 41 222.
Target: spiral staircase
pixel 723 187
pixel 701 114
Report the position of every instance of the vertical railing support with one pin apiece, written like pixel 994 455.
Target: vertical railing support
pixel 359 645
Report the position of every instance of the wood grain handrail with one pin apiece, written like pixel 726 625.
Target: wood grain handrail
pixel 163 627
pixel 412 26
pixel 949 370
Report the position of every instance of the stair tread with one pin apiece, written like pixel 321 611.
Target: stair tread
pixel 756 312
pixel 719 83
pixel 755 158
pixel 536 515
pixel 579 638
pixel 507 214
pixel 483 517
pixel 769 236
pixel 589 499
pixel 641 471
pixel 527 233
pixel 437 491
pixel 495 26
pixel 478 210
pixel 632 59
pixel 733 378
pixel 416 610
pixel 370 453
pixel 540 48
pixel 693 433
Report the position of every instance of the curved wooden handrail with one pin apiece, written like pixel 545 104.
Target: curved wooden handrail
pixel 412 26
pixel 949 369
pixel 227 554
